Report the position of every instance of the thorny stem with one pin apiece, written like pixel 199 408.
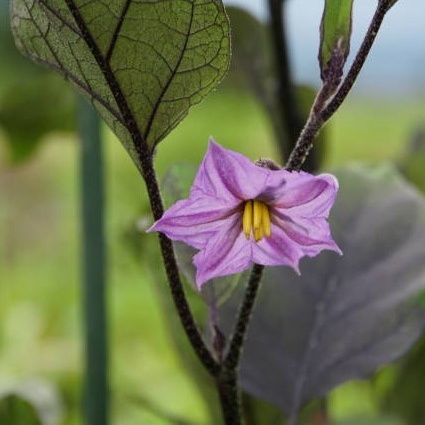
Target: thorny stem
pixel 318 119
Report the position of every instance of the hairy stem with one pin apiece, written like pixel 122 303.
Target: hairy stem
pixel 227 381
pixel 230 398
pixel 146 165
pixel 232 358
pixel 172 271
pixel 318 119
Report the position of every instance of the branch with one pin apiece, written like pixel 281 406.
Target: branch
pixel 318 119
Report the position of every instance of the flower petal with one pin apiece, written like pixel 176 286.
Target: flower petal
pixel 277 250
pixel 312 235
pixel 229 175
pixel 195 220
pixel 301 194
pixel 228 252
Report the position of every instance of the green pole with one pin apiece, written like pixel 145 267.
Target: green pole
pixel 93 267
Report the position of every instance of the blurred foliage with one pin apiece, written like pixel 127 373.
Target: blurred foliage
pixel 252 67
pixel 371 421
pixel 412 163
pixel 33 102
pixel 406 395
pixel 15 410
pixel 13 67
pixel 31 108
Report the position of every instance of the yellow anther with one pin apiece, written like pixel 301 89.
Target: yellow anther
pixel 258 234
pixel 247 219
pixel 256 220
pixel 265 220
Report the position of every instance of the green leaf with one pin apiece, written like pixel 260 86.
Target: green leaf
pixel 30 109
pixel 17 411
pixel 141 64
pixel 335 32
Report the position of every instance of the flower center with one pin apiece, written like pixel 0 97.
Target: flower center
pixel 256 220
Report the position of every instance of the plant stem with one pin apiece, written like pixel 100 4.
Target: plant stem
pixel 227 380
pixel 96 396
pixel 317 120
pixel 286 94
pixel 145 156
pixel 232 358
pixel 230 398
pixel 171 268
pixel 289 108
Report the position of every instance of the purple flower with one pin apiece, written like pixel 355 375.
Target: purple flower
pixel 239 213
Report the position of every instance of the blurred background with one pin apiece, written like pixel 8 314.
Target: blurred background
pixel 41 344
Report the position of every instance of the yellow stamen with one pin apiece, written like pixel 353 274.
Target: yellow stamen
pixel 247 219
pixel 265 220
pixel 258 234
pixel 256 220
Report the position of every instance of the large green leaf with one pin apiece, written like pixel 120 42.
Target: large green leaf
pixel 335 38
pixel 142 64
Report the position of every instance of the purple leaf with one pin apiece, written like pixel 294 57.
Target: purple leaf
pixel 344 317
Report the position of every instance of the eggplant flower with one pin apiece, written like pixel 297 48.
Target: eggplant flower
pixel 239 213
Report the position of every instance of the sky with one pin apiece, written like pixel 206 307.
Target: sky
pixel 397 61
